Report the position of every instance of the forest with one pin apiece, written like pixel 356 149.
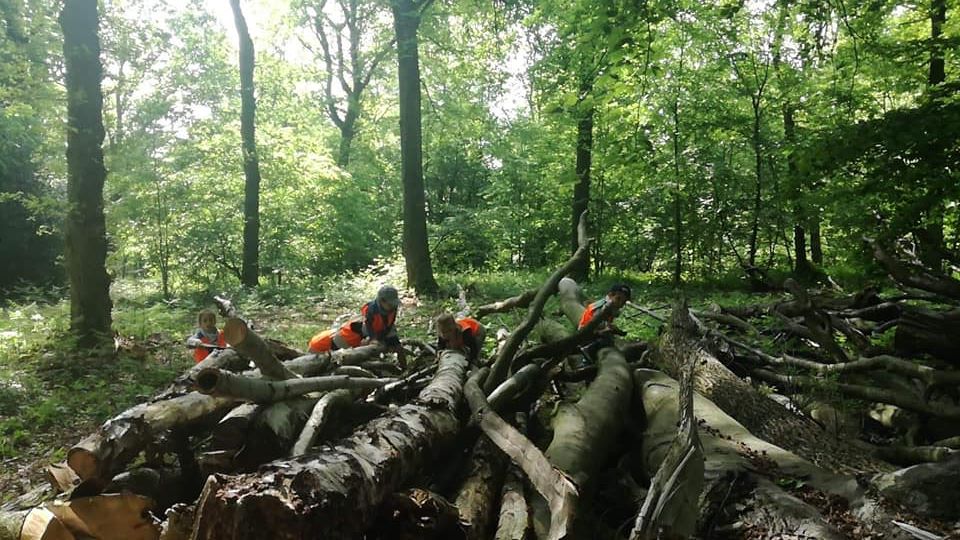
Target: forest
pixel 702 261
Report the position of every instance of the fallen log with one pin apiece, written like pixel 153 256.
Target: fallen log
pixel 761 415
pixel 514 518
pixel 223 383
pixel 105 452
pixel 108 517
pixel 335 493
pixel 921 279
pixel 520 301
pixel 922 331
pixel 477 497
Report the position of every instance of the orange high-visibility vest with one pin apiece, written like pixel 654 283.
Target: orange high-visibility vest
pixel 591 311
pixel 200 352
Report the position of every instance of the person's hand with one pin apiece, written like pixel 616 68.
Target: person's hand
pixel 193 343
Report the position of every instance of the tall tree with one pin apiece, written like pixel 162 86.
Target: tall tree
pixel 86 241
pixel 406 21
pixel 581 190
pixel 931 238
pixel 250 271
pixel 352 47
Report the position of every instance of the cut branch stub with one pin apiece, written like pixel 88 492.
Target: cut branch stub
pixel 249 344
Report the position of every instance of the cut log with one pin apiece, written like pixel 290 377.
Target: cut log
pixel 61 477
pixel 501 366
pixel 223 383
pixel 108 517
pixel 252 346
pixel 335 494
pixel 35 524
pixel 325 407
pixel 516 302
pixel 120 439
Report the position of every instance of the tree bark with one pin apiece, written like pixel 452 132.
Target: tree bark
pixel 36 524
pixel 320 416
pixel 761 415
pixel 581 190
pixel 335 494
pixel 250 271
pixel 416 251
pixel 222 383
pixel 86 235
pixel 476 500
pixel 249 344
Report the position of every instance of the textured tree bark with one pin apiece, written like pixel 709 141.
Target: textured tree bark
pixel 86 234
pixel 250 271
pixel 477 497
pixel 514 518
pixel 761 415
pixel 581 190
pixel 335 494
pixel 416 251
pixel 120 439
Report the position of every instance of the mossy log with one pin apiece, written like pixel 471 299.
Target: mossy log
pixel 335 493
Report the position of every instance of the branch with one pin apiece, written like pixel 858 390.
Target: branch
pixel 216 382
pixel 502 364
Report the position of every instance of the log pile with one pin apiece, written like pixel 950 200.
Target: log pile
pixel 681 442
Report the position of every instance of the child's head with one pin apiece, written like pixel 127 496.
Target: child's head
pixel 619 294
pixel 207 320
pixel 446 326
pixel 388 298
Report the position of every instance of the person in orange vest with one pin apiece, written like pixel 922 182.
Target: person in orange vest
pixel 207 338
pixel 465 334
pixel 618 295
pixel 376 324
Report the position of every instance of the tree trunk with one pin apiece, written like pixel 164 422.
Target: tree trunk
pixel 758 172
pixel 416 251
pixel 476 501
pixel 250 271
pixel 336 494
pixel 86 240
pixel 677 195
pixel 816 248
pixel 763 416
pixel 581 190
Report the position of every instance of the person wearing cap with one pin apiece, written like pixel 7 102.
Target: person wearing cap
pixel 465 334
pixel 375 325
pixel 618 295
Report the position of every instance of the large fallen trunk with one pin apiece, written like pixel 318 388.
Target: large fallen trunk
pixel 223 383
pixel 763 416
pixel 335 493
pixel 922 331
pixel 584 433
pixel 35 524
pixel 477 497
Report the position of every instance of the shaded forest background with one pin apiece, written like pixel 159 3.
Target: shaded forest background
pixel 704 138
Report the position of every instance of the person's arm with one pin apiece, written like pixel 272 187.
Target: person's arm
pixel 194 341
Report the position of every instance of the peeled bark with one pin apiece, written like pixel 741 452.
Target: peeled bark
pixel 335 494
pixel 35 524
